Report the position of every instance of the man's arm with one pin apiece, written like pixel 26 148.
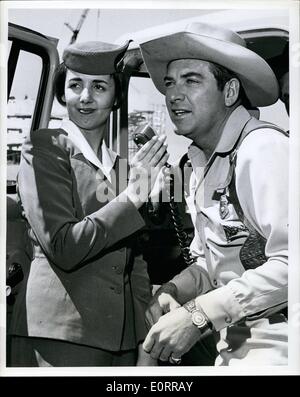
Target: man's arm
pixel 262 188
pixel 191 282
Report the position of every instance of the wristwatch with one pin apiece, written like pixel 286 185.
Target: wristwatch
pixel 199 318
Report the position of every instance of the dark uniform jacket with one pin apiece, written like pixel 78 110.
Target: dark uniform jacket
pixel 87 283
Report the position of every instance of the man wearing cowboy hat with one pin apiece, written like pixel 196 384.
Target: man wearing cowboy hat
pixel 237 286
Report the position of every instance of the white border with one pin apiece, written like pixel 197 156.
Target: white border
pixel 294 272
pixel 294 190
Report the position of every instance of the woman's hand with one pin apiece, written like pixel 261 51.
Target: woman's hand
pixel 144 169
pixel 163 301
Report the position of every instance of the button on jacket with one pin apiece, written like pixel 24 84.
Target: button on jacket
pixel 225 291
pixel 87 283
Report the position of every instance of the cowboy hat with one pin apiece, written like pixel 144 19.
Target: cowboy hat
pixel 94 57
pixel 213 44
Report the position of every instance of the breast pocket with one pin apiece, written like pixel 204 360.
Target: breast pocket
pixel 238 231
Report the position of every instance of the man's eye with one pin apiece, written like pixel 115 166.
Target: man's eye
pixel 168 83
pixel 192 81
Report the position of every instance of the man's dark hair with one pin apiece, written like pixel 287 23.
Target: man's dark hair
pixel 60 79
pixel 222 75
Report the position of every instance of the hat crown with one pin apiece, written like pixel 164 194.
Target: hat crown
pixel 94 57
pixel 90 47
pixel 215 32
pixel 214 44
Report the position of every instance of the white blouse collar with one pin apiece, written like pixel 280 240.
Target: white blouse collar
pixel 108 156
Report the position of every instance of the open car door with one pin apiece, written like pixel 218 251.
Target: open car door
pixel 25 113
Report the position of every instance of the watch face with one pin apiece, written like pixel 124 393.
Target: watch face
pixel 199 319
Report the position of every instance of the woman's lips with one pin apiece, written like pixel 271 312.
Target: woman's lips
pixel 86 111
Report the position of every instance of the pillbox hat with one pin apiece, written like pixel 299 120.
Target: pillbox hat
pixel 94 57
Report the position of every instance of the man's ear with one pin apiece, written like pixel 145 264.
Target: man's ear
pixel 231 91
pixel 63 97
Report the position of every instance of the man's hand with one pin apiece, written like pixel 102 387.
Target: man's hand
pixel 173 335
pixel 144 359
pixel 162 302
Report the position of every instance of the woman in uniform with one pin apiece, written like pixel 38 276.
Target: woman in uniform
pixel 83 301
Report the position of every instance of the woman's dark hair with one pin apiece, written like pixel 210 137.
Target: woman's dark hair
pixel 60 79
pixel 222 75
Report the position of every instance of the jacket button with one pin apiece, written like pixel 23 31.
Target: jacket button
pixel 215 282
pixel 228 319
pixel 118 290
pixel 118 269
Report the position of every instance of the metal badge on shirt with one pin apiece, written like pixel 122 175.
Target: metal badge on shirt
pixel 223 206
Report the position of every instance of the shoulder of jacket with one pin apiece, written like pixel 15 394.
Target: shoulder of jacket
pixel 48 137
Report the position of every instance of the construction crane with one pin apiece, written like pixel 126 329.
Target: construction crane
pixel 78 27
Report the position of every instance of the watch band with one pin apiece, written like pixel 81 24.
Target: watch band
pixel 199 318
pixel 190 306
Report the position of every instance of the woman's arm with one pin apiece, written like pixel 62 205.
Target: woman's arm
pixel 46 189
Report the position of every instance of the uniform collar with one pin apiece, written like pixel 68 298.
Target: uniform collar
pixel 229 137
pixel 78 139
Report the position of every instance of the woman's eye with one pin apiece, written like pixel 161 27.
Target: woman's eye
pixel 99 87
pixel 74 86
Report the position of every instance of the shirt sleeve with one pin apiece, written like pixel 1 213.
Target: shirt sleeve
pixel 47 194
pixel 262 189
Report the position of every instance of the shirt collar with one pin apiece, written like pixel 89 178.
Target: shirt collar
pixel 232 130
pixel 76 136
pixel 230 134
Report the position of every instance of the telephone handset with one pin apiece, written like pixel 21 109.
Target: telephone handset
pixel 141 135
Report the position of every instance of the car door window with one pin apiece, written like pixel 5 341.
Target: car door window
pixel 21 104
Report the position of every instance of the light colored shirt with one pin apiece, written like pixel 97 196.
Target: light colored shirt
pixel 224 290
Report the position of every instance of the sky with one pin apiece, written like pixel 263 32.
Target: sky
pixel 103 24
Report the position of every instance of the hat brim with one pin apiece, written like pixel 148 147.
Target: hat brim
pixel 256 76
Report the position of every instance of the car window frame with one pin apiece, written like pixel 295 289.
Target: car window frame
pixel 24 39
